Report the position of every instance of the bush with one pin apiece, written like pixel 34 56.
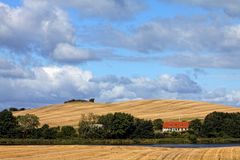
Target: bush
pixel 49 133
pixel 192 138
pixel 68 132
pixel 143 129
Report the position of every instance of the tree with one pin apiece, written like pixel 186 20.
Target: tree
pixel 92 100
pixel 68 132
pixel 143 129
pixel 28 123
pixel 49 133
pixel 196 126
pixel 87 126
pixel 8 124
pixel 12 109
pixel 212 124
pixel 118 125
pixel 219 124
pixel 158 124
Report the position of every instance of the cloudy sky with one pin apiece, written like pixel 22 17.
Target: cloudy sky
pixel 118 50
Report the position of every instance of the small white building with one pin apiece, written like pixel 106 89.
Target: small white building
pixel 175 126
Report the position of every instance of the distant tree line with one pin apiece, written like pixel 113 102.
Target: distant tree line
pixel 109 126
pixel 12 109
pixel 117 126
pixel 27 126
pixel 92 100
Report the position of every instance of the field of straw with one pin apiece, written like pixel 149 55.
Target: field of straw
pixel 69 114
pixel 116 153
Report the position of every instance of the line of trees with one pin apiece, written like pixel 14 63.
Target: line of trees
pixel 27 126
pixel 109 126
pixel 117 126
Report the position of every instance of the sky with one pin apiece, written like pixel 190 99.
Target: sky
pixel 119 50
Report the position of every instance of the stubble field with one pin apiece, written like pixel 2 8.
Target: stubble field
pixel 116 153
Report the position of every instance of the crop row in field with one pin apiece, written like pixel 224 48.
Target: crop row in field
pixel 116 153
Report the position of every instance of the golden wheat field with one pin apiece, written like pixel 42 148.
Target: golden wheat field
pixel 70 113
pixel 116 153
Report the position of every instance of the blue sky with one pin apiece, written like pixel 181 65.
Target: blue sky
pixel 118 50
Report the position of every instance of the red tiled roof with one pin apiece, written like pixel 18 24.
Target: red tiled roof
pixel 175 124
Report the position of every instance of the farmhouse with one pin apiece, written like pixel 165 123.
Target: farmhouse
pixel 175 126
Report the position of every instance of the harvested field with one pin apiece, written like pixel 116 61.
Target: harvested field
pixel 116 153
pixel 69 114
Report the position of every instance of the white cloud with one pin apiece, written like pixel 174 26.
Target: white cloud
pixel 197 34
pixel 107 9
pixel 223 96
pixel 42 28
pixel 118 93
pixel 53 84
pixel 56 84
pixel 230 7
pixel 67 53
pixel 9 69
pixel 35 25
pixel 225 60
pixel 191 40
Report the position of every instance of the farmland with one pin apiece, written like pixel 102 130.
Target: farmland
pixel 116 153
pixel 70 113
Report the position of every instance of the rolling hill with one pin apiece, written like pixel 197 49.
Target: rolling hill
pixel 70 113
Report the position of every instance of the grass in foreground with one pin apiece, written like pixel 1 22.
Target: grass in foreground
pixel 116 141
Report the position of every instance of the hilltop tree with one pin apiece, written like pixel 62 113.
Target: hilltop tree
pixel 92 100
pixel 13 109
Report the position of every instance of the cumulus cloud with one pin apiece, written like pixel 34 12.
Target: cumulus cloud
pixel 230 7
pixel 107 9
pixel 42 28
pixel 175 34
pixel 52 84
pixel 225 60
pixel 221 95
pixel 35 24
pixel 203 38
pixel 180 83
pixel 70 54
pixel 56 84
pixel 9 69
